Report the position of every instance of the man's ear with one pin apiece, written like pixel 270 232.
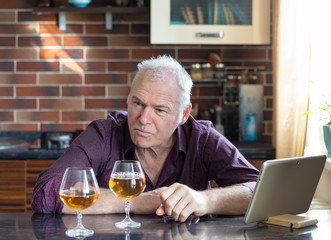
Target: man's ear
pixel 186 114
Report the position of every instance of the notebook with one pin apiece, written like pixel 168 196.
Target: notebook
pixel 285 186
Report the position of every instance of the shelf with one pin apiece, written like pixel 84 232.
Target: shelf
pixel 107 10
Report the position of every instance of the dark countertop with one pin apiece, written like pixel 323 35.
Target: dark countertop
pixel 48 226
pixel 250 150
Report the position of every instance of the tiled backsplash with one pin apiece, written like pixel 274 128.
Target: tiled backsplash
pixel 60 81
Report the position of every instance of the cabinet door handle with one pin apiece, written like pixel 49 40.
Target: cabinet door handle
pixel 211 34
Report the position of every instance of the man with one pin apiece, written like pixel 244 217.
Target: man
pixel 180 155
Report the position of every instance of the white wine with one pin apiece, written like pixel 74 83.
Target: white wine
pixel 127 185
pixel 78 200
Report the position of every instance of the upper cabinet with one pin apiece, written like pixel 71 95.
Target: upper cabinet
pixel 210 22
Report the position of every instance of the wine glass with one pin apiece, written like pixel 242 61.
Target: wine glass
pixel 127 181
pixel 79 190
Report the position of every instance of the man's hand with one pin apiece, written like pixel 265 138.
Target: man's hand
pixel 180 201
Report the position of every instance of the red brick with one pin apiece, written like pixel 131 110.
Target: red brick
pixel 101 29
pixel 197 54
pixel 128 41
pixel 148 53
pixel 19 127
pixel 30 16
pixel 38 66
pixel 83 91
pixel 12 78
pixel 18 28
pixel 110 104
pixel 7 41
pixel 78 116
pixel 94 41
pixel 118 91
pixel 244 53
pixel 18 53
pixel 267 115
pixel 107 53
pixel 7 67
pixel 268 91
pixel 37 116
pixel 62 103
pixel 40 41
pixel 65 127
pixel 210 91
pixel 107 78
pixel 6 116
pixel 122 66
pixel 84 66
pixel 6 91
pixel 269 103
pixel 267 65
pixel 140 28
pixel 7 17
pixel 205 103
pixel 139 16
pixel 85 17
pixel 37 91
pixel 61 53
pixel 18 103
pixel 54 29
pixel 60 78
pixel 16 4
pixel 269 79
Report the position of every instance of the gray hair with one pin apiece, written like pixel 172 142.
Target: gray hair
pixel 163 65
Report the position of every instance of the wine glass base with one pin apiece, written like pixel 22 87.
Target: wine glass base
pixel 79 232
pixel 127 224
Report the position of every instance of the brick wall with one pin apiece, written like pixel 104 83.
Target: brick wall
pixel 52 80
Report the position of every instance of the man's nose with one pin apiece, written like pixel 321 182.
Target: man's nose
pixel 146 115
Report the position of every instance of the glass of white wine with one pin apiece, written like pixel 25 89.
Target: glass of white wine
pixel 79 190
pixel 127 181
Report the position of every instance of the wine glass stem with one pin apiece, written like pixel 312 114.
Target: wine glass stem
pixel 79 219
pixel 127 209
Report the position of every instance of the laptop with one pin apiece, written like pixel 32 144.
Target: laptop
pixel 285 187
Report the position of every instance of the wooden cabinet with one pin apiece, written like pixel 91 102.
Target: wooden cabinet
pixel 12 186
pixel 17 180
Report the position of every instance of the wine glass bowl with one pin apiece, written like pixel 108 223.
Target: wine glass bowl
pixel 127 181
pixel 79 190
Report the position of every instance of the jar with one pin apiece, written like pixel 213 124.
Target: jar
pixel 196 72
pixel 219 71
pixel 207 72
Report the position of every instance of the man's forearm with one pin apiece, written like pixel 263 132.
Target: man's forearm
pixel 232 200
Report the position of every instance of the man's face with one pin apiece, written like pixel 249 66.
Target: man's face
pixel 153 111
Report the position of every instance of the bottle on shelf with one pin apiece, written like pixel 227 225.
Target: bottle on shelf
pixel 230 117
pixel 218 119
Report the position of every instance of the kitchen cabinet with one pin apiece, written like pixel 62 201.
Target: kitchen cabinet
pixel 17 181
pixel 12 186
pixel 210 21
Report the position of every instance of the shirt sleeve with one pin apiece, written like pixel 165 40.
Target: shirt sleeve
pixel 225 164
pixel 85 151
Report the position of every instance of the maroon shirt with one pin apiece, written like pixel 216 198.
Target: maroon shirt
pixel 199 155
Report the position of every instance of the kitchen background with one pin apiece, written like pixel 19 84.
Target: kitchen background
pixel 53 80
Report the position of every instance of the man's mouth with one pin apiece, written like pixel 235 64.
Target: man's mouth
pixel 143 133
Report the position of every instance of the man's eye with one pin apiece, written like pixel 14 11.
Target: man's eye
pixel 137 103
pixel 161 111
